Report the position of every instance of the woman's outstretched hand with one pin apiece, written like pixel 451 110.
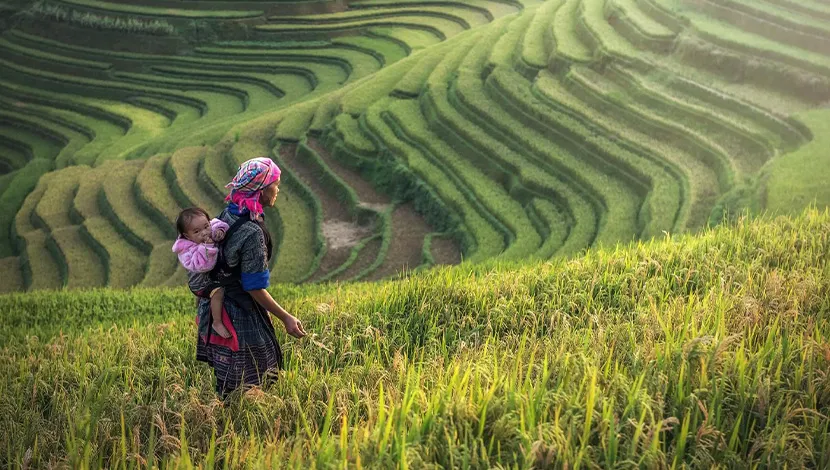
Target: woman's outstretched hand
pixel 293 326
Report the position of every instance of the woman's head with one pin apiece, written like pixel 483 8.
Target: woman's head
pixel 255 184
pixel 193 224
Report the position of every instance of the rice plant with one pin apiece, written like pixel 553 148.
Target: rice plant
pixel 695 352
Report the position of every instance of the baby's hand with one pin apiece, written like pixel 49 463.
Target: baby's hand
pixel 207 240
pixel 218 235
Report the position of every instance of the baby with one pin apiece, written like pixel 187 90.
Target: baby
pixel 198 254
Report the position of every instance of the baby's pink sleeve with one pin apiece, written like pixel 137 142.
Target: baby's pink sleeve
pixel 199 258
pixel 218 229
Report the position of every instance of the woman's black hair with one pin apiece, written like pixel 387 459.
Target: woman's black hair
pixel 186 216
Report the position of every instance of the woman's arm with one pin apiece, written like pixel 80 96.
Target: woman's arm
pixel 255 278
pixel 293 326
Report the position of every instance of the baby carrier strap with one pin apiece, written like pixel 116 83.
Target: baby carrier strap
pixel 221 260
pixel 230 277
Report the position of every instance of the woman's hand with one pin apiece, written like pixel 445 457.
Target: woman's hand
pixel 293 326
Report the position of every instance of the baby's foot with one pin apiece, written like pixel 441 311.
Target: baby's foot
pixel 220 329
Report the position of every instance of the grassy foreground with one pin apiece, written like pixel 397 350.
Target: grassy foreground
pixel 701 351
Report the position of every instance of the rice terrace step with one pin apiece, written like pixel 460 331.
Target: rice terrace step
pixel 522 233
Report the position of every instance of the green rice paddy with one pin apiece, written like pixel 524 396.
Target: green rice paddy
pixel 606 171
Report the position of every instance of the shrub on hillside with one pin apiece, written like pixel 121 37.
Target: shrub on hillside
pixel 108 23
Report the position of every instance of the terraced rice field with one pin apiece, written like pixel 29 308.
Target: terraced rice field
pixel 412 133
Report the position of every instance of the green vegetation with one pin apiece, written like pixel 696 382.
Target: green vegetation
pixel 495 203
pixel 124 263
pixel 636 26
pixel 489 8
pixel 521 130
pixel 607 171
pixel 747 151
pixel 295 125
pixel 386 50
pixel 462 13
pixel 798 179
pixel 538 41
pixel 334 184
pixel 555 223
pixel 441 25
pixel 181 174
pixel 67 138
pixel 684 352
pixel 19 186
pixel 604 93
pixel 414 39
pixel 13 274
pixel 795 23
pixel 603 35
pixel 816 8
pixel 80 264
pixel 90 20
pixel 486 240
pixel 723 34
pixel 46 56
pixel 348 129
pixel 300 217
pixel 154 195
pixel 568 44
pixel 138 9
pixel 119 205
pixel 504 50
pixel 659 190
pixel 414 80
pixel 698 183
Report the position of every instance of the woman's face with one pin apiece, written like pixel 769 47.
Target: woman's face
pixel 268 196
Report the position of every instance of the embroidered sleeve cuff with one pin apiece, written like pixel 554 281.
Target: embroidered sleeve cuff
pixel 254 281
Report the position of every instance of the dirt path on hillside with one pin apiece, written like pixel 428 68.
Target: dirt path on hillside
pixel 409 229
pixel 340 233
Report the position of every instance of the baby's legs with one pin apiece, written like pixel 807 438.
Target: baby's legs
pixel 216 297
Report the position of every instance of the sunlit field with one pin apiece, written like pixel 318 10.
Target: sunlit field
pixel 521 233
pixel 695 351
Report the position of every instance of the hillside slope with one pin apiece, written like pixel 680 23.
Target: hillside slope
pixel 696 350
pixel 413 134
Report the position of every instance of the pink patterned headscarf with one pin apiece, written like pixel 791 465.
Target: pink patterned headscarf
pixel 252 176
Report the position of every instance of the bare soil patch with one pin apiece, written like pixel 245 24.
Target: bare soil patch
pixel 339 231
pixel 406 245
pixel 365 258
pixel 341 234
pixel 365 191
pixel 445 251
pixel 408 228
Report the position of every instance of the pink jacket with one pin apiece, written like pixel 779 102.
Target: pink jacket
pixel 200 257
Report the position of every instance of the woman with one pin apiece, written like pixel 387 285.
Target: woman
pixel 252 353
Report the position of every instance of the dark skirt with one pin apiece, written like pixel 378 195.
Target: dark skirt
pixel 251 357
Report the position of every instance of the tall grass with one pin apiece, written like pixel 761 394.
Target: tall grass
pixel 704 351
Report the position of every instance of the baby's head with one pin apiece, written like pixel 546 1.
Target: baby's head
pixel 193 224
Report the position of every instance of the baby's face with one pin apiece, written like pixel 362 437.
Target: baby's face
pixel 198 230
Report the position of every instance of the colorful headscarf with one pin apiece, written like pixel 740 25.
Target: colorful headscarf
pixel 252 176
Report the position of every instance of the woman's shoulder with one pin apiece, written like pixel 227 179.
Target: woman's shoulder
pixel 246 231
